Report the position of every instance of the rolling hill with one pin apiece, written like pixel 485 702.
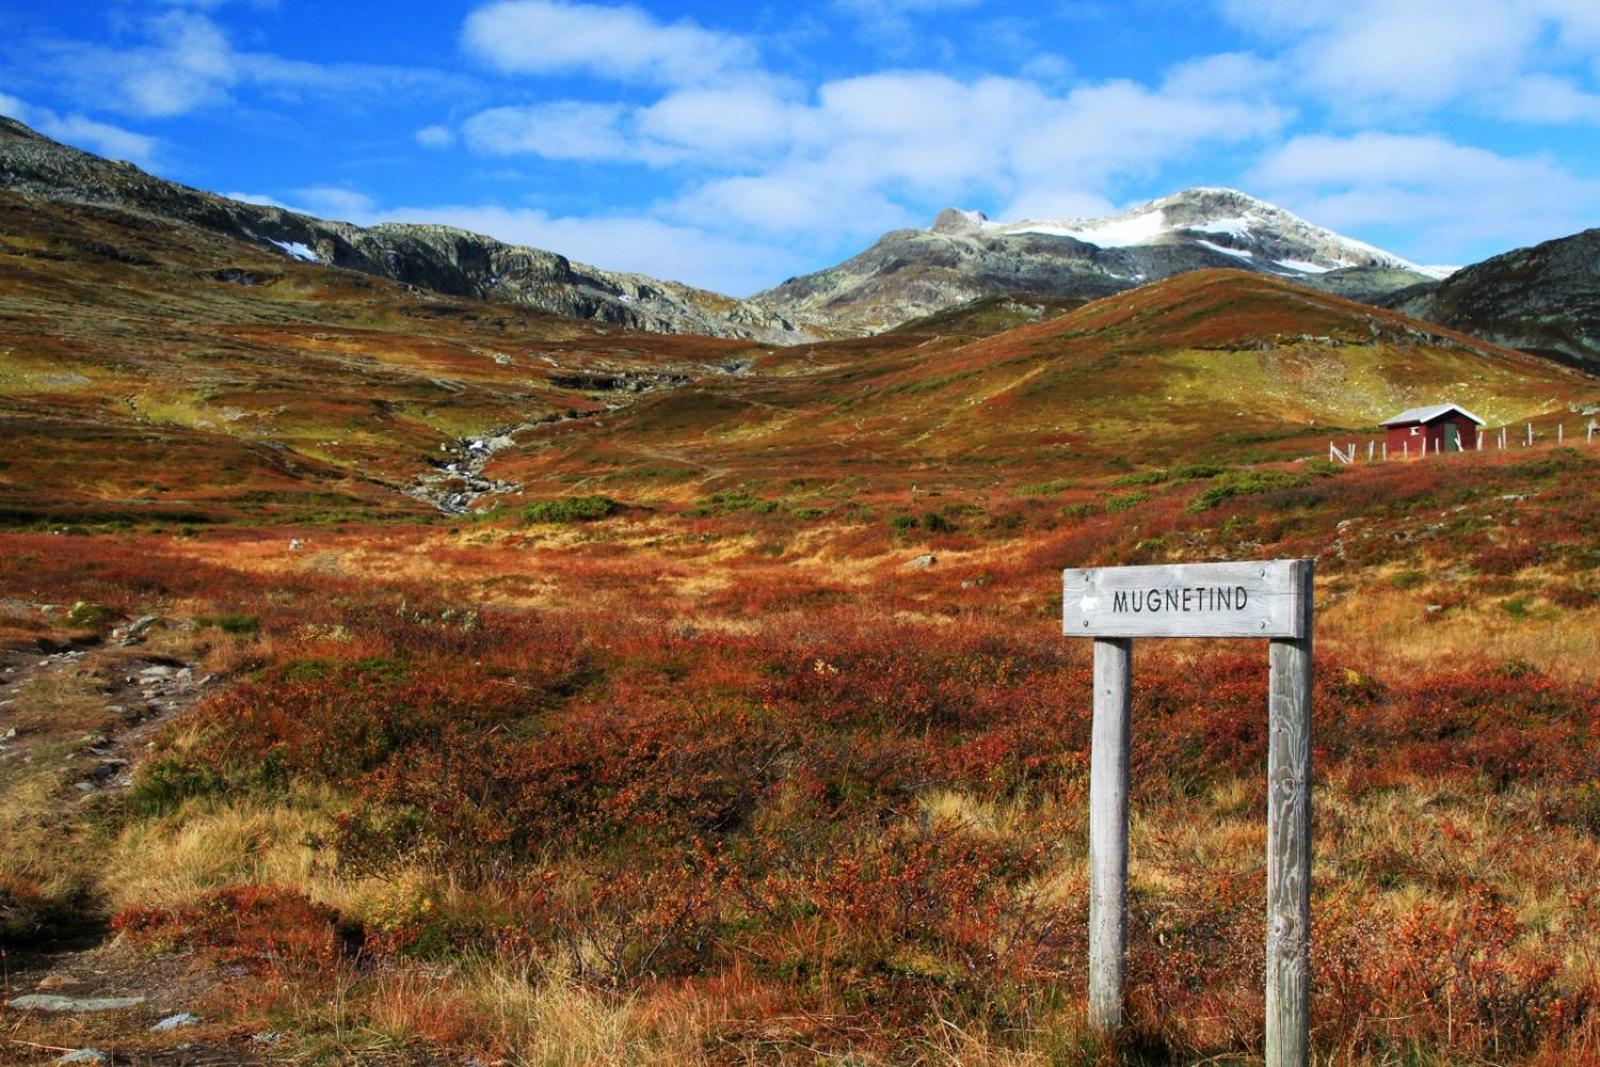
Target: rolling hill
pixel 1208 366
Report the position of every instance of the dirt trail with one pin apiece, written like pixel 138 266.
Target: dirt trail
pixel 76 716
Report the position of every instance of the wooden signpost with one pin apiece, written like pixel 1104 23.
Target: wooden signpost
pixel 1271 600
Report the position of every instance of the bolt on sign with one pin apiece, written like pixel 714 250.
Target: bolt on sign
pixel 1270 600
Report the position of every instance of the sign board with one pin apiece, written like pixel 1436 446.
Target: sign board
pixel 1271 599
pixel 1184 600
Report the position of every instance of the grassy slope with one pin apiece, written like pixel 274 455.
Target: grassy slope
pixel 1214 366
pixel 323 388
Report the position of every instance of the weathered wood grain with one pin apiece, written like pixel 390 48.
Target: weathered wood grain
pixel 1289 839
pixel 1184 600
pixel 1108 828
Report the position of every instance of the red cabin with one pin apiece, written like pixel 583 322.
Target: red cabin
pixel 1441 428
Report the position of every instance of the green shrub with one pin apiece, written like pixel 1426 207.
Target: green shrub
pixel 1044 488
pixel 163 784
pixel 1191 472
pixel 1125 501
pixel 1155 477
pixel 1076 511
pixel 903 523
pixel 569 509
pixel 90 616
pixel 731 501
pixel 237 622
pixel 934 522
pixel 1408 579
pixel 1245 483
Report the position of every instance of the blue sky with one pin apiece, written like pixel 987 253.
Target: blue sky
pixel 734 145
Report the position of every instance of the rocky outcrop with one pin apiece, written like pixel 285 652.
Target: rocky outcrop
pixel 1544 299
pixel 439 258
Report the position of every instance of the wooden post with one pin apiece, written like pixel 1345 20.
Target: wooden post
pixel 1289 841
pixel 1386 451
pixel 1269 599
pixel 1108 829
pixel 1407 446
pixel 1561 432
pixel 1370 446
pixel 1530 435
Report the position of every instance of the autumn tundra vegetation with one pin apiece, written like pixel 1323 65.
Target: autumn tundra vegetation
pixel 737 725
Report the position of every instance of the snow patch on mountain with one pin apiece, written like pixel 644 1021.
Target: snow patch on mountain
pixel 296 250
pixel 1303 267
pixel 1235 252
pixel 1246 226
pixel 1118 231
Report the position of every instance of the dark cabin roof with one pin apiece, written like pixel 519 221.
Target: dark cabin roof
pixel 1428 414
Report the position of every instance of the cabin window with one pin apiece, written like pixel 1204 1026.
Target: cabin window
pixel 1415 430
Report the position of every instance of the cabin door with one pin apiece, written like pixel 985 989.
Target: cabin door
pixel 1452 437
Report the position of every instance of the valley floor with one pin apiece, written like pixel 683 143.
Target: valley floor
pixel 794 774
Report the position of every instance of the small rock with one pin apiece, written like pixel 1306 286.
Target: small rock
pixel 107 768
pixel 267 1037
pixel 85 1055
pixel 173 1022
pixel 927 559
pixel 295 544
pixel 53 1003
pixel 11 734
pixel 135 633
pixel 1431 608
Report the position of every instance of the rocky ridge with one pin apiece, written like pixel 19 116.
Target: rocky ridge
pixel 1543 299
pixel 438 258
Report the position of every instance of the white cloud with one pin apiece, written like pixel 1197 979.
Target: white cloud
pixel 259 199
pixel 1396 58
pixel 189 65
pixel 618 42
pixel 101 138
pixel 180 60
pixel 335 202
pixel 564 129
pixel 1547 98
pixel 885 149
pixel 799 199
pixel 734 118
pixel 435 137
pixel 1455 200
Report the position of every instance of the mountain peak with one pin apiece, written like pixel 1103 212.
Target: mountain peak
pixel 956 220
pixel 964 256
